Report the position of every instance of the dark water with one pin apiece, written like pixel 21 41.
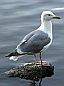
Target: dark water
pixel 18 18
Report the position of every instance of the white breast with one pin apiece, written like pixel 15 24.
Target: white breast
pixel 46 26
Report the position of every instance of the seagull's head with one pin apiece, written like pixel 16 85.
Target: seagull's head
pixel 48 16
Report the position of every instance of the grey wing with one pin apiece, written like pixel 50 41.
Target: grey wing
pixel 24 41
pixel 27 37
pixel 36 42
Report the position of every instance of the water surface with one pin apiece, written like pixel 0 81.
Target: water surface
pixel 18 18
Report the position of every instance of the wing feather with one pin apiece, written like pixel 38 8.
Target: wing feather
pixel 34 42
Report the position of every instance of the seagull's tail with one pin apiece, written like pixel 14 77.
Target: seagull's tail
pixel 13 55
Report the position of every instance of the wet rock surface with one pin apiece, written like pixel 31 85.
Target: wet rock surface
pixel 32 71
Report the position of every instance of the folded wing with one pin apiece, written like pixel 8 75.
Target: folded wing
pixel 34 42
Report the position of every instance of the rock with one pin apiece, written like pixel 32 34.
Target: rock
pixel 32 71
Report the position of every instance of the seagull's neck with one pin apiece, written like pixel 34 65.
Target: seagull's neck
pixel 46 26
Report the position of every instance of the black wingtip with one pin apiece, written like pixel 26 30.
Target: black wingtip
pixel 9 55
pixel 12 54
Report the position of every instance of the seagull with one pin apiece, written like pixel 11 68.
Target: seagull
pixel 38 40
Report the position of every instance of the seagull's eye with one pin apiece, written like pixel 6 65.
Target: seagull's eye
pixel 49 15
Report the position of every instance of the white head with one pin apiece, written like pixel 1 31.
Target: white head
pixel 48 16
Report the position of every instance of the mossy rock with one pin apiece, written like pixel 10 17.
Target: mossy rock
pixel 32 71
